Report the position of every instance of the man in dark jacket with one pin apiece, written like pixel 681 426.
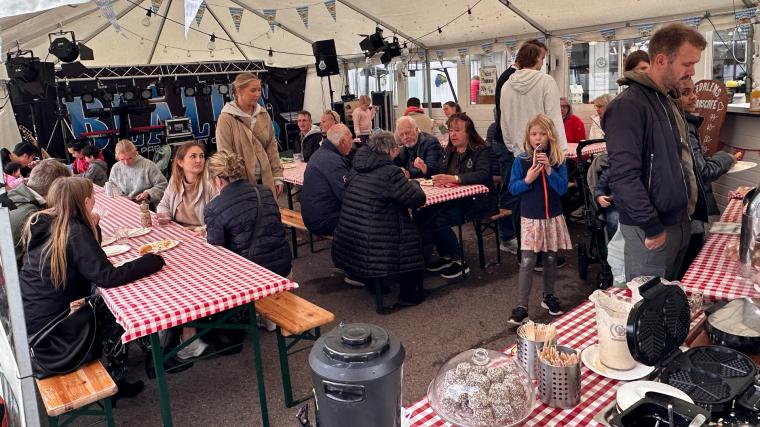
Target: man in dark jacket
pixel 651 166
pixel 324 182
pixel 421 154
pixel 707 170
pixel 310 136
pixel 29 198
pixel 376 237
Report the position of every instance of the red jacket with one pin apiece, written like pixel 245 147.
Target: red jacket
pixel 574 129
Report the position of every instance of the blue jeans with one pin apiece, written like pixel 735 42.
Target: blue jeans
pixel 611 216
pixel 508 225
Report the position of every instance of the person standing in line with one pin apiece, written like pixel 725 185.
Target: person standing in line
pixel 651 164
pixel 539 177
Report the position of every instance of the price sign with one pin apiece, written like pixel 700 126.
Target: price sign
pixel 712 101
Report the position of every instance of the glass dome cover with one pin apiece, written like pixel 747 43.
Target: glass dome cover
pixel 479 388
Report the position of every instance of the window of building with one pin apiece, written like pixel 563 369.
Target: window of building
pixel 443 78
pixel 729 50
pixel 593 70
pixel 485 69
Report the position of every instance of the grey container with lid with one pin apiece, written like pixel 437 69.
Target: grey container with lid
pixel 356 370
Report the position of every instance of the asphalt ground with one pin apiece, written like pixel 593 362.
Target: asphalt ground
pixel 458 316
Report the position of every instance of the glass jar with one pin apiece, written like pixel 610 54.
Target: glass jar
pixel 479 388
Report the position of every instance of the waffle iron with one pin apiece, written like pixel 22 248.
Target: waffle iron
pixel 715 377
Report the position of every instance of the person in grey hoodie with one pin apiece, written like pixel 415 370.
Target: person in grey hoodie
pixel 527 93
pixel 97 171
pixel 310 137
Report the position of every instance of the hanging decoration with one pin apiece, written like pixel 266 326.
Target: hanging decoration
pixel 303 12
pixel 463 55
pixel 645 30
pixel 237 16
pixel 439 54
pixel 270 15
pixel 155 5
pixel 199 15
pixel 487 47
pixel 191 9
pixel 568 40
pixel 692 22
pixel 107 11
pixel 608 34
pixel 744 16
pixel 330 5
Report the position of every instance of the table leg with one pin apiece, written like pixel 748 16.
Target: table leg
pixel 163 392
pixel 254 330
pixel 289 189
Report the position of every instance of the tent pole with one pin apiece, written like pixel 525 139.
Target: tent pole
pixel 208 7
pixel 158 33
pixel 525 17
pixel 428 82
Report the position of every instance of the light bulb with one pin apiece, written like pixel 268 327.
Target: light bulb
pixel 232 51
pixel 269 34
pixel 440 34
pixel 470 16
pixel 270 58
pixel 146 21
pixel 142 40
pixel 322 65
pixel 211 43
pixel 405 53
pixel 165 49
pixel 368 61
pixel 211 53
pixel 188 53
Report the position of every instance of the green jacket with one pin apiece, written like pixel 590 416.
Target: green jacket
pixel 27 203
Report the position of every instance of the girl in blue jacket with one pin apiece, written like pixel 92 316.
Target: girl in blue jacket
pixel 539 177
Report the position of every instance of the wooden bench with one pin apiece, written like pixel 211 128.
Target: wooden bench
pixel 294 220
pixel 297 319
pixel 72 393
pixel 485 224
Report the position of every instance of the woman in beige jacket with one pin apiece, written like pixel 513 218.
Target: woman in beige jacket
pixel 245 129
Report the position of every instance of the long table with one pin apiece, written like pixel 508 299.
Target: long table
pixel 198 280
pixel 712 273
pixel 293 175
pixel 596 148
pixel 576 329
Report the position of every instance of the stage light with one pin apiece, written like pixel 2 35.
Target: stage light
pixel 205 89
pixel 87 98
pixel 66 48
pixel 224 89
pixel 372 43
pixel 106 96
pixel 128 94
pixel 146 94
pixel 190 90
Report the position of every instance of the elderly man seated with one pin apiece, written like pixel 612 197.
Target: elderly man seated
pixel 324 182
pixel 420 157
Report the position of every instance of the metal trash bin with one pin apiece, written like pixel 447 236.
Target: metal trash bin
pixel 356 371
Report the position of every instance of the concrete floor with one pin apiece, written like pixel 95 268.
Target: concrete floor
pixel 469 314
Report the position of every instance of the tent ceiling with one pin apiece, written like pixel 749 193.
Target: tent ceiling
pixel 493 20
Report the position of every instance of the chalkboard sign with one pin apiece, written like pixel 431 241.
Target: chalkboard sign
pixel 712 101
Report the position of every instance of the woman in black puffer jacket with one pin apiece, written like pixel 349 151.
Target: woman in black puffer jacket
pixel 231 216
pixel 375 236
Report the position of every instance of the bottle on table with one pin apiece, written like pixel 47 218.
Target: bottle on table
pixel 754 100
pixel 145 220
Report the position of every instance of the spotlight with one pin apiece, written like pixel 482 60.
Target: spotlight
pixel 106 96
pixel 190 90
pixel 68 50
pixel 129 94
pixel 392 50
pixel 205 89
pixel 87 98
pixel 372 43
pixel 224 89
pixel 146 94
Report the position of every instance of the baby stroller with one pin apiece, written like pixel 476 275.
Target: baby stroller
pixel 595 251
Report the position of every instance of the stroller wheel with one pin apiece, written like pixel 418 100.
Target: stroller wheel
pixel 582 261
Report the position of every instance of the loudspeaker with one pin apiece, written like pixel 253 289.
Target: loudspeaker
pixel 324 52
pixel 41 89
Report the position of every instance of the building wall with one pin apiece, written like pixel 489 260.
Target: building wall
pixel 739 132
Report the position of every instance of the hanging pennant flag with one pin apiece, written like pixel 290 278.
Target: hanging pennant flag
pixel 608 34
pixel 155 5
pixel 107 11
pixel 303 12
pixel 692 22
pixel 191 9
pixel 744 16
pixel 199 15
pixel 646 30
pixel 568 40
pixel 330 5
pixel 439 54
pixel 463 55
pixel 237 16
pixel 270 15
pixel 487 47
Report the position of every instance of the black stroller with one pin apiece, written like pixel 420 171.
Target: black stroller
pixel 595 252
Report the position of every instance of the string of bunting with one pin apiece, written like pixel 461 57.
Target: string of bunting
pixel 568 40
pixel 744 16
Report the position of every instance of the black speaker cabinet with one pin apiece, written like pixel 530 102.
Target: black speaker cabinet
pixel 39 89
pixel 324 51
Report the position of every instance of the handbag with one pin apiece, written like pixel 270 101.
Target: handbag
pixel 66 342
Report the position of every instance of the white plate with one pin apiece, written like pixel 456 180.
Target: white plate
pixel 116 250
pixel 137 232
pixel 590 358
pixel 630 393
pixel 742 166
pixel 108 240
pixel 172 244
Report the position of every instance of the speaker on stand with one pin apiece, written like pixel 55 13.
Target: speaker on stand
pixel 326 61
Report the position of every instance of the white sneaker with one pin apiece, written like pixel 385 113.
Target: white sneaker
pixel 265 323
pixel 195 349
pixel 353 282
pixel 509 246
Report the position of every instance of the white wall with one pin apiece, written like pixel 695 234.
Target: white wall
pixel 317 93
pixel 739 132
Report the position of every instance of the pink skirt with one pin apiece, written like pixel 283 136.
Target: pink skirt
pixel 544 235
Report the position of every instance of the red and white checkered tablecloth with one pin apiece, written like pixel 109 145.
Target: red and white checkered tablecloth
pixel 733 211
pixel 436 194
pixel 596 148
pixel 294 175
pixel 576 329
pixel 198 279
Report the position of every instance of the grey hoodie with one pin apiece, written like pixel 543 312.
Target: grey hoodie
pixel 526 94
pixel 97 172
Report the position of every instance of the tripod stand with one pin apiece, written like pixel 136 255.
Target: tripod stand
pixel 61 119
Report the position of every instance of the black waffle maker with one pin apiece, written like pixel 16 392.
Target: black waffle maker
pixel 715 377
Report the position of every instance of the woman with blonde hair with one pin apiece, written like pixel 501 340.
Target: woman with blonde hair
pixel 600 104
pixel 63 259
pixel 244 218
pixel 362 116
pixel 245 129
pixel 135 176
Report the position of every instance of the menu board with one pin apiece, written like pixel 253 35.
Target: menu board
pixel 712 101
pixel 488 79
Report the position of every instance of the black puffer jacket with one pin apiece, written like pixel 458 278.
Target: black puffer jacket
pixel 86 264
pixel 477 166
pixel 375 236
pixel 231 219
